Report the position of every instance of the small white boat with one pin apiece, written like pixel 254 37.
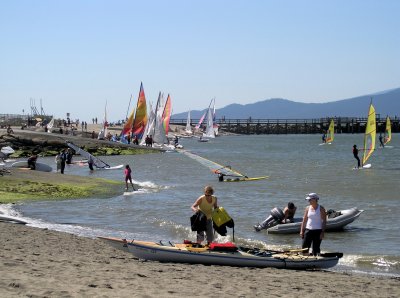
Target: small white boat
pixel 336 221
pixel 240 257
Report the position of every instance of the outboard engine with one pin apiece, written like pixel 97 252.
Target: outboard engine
pixel 276 217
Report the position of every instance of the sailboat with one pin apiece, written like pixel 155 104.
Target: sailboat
pixel 103 132
pixel 97 162
pixel 50 125
pixel 188 128
pixel 137 121
pixel 225 173
pixel 369 136
pixel 388 131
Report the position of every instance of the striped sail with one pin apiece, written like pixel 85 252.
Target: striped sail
pixel 140 121
pixel 388 131
pixel 370 134
pixel 167 114
pixel 331 132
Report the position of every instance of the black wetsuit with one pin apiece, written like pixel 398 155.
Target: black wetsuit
pixel 355 153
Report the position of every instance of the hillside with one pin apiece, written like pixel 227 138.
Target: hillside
pixel 385 102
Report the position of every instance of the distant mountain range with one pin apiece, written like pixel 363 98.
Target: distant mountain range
pixel 385 103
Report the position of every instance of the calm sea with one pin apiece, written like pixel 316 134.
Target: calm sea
pixel 296 164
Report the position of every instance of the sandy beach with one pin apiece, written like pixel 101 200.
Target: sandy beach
pixel 44 263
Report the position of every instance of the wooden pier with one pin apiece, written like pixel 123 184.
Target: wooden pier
pixel 295 126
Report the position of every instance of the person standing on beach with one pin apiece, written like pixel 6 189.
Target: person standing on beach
pixel 58 162
pixel 355 153
pixel 63 159
pixel 90 162
pixel 206 204
pixel 128 177
pixel 313 225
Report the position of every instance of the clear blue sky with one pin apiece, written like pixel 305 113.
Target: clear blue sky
pixel 75 55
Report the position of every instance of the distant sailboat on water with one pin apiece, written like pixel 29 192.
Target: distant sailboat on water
pixel 188 128
pixel 388 131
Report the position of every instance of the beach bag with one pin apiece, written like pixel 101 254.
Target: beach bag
pixel 220 216
pixel 222 220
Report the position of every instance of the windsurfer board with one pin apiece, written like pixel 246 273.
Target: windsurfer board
pixel 114 168
pixel 130 193
pixel 367 166
pixel 325 144
pixel 240 179
pixel 39 166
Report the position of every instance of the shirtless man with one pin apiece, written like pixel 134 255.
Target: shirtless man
pixel 289 212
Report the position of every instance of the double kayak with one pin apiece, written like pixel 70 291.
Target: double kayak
pixel 224 254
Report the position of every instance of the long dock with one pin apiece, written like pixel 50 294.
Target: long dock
pixel 295 126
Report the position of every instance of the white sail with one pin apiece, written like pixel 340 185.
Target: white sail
pixel 149 126
pixel 188 128
pixel 50 125
pixel 209 133
pixel 103 132
pixel 159 135
pixel 96 161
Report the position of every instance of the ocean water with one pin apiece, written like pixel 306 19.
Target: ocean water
pixel 296 164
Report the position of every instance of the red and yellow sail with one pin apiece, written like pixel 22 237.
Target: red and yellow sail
pixel 128 124
pixel 140 121
pixel 370 134
pixel 167 114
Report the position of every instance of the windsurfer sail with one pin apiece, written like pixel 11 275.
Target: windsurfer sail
pixel 331 132
pixel 97 162
pixel 370 134
pixel 388 131
pixel 188 128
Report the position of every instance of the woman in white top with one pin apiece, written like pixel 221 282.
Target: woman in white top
pixel 313 225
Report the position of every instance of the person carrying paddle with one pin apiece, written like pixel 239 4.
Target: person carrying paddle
pixel 313 225
pixel 206 204
pixel 128 177
pixel 355 153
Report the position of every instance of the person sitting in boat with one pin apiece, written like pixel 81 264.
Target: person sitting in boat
pixel 289 212
pixel 206 204
pixel 32 161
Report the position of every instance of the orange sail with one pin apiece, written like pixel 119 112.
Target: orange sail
pixel 140 121
pixel 126 131
pixel 167 114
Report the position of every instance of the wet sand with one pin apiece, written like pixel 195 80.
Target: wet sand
pixel 43 263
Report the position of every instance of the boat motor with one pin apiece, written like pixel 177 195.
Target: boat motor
pixel 275 217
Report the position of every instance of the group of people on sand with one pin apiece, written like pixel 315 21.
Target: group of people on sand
pixel 312 227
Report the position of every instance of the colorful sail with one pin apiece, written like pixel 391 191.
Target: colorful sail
pixel 140 121
pixel 388 131
pixel 201 120
pixel 167 114
pixel 331 132
pixel 127 129
pixel 370 134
